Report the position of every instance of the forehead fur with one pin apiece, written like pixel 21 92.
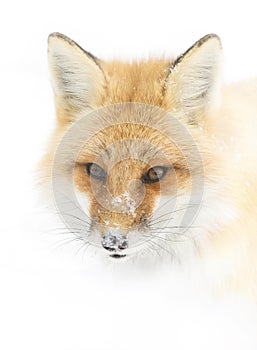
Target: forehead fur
pixel 128 140
pixel 142 82
pixel 129 130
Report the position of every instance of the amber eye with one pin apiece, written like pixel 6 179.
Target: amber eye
pixel 95 171
pixel 154 174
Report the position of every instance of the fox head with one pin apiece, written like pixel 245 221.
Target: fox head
pixel 132 161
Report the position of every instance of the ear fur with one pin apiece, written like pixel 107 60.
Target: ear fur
pixel 77 78
pixel 194 81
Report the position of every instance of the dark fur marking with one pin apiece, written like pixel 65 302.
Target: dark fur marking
pixel 180 57
pixel 74 44
pixel 197 44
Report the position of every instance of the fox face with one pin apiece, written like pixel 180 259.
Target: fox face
pixel 125 169
pixel 133 165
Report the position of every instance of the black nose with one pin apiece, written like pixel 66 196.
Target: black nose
pixel 114 242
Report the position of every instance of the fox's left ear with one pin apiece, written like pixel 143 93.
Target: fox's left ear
pixel 194 81
pixel 77 78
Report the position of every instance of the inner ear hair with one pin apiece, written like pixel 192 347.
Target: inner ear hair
pixel 194 81
pixel 77 77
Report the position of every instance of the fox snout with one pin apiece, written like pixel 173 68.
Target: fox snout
pixel 115 242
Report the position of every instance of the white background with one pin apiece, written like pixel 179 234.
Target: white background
pixel 50 298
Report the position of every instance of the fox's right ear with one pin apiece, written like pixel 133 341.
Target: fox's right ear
pixel 77 78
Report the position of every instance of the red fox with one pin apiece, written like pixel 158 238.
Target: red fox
pixel 156 158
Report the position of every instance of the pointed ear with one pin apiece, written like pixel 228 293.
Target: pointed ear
pixel 194 80
pixel 77 78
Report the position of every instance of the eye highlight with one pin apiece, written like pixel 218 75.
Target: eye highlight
pixel 95 171
pixel 154 174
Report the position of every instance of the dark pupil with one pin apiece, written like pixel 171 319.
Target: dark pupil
pixel 95 171
pixel 155 174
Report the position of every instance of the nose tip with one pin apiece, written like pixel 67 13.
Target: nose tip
pixel 114 242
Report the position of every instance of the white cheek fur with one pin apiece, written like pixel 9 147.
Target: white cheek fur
pixel 82 201
pixel 185 222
